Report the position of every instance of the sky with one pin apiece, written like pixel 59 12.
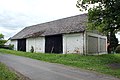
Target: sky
pixel 18 14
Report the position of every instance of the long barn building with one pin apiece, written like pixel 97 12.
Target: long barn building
pixel 67 35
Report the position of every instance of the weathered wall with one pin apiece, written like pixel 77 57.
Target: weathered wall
pixel 96 43
pixel 103 45
pixel 92 44
pixel 82 43
pixel 37 43
pixel 73 43
pixel 8 42
pixel 14 42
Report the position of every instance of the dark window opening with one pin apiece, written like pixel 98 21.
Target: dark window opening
pixel 53 44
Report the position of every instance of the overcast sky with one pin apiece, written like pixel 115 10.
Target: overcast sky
pixel 17 14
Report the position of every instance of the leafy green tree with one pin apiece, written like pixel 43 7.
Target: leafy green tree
pixel 1 36
pixel 2 42
pixel 104 17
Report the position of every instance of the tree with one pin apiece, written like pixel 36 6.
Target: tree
pixel 1 36
pixel 2 42
pixel 104 17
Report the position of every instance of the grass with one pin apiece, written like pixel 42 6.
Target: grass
pixel 6 74
pixel 98 63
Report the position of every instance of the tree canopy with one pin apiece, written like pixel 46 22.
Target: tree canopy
pixel 1 36
pixel 104 16
pixel 2 42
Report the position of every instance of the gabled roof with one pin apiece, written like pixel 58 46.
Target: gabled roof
pixel 72 24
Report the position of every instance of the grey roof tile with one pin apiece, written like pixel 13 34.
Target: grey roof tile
pixel 72 24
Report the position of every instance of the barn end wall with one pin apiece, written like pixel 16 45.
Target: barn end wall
pixel 14 42
pixel 73 43
pixel 96 43
pixel 37 43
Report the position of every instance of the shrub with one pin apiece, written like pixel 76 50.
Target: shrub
pixel 7 46
pixel 32 49
pixel 117 50
pixel 11 46
pixel 2 42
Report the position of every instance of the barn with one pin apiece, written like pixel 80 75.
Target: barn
pixel 65 36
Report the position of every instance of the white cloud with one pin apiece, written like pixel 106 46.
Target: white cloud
pixel 17 14
pixel 4 30
pixel 41 7
pixel 9 32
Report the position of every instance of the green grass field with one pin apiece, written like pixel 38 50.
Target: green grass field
pixel 98 63
pixel 6 74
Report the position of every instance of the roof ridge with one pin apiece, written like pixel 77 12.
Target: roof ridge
pixel 58 19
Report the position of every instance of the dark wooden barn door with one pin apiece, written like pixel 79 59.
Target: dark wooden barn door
pixel 21 44
pixel 53 44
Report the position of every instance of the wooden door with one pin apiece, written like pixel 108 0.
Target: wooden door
pixel 21 44
pixel 53 44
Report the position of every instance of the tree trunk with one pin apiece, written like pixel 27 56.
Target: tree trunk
pixel 113 42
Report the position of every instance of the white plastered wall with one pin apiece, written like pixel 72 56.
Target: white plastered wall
pixel 14 42
pixel 37 43
pixel 73 43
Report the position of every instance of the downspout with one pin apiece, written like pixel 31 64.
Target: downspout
pixel 84 43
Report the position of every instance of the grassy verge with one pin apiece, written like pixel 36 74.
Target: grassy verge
pixel 6 74
pixel 97 63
